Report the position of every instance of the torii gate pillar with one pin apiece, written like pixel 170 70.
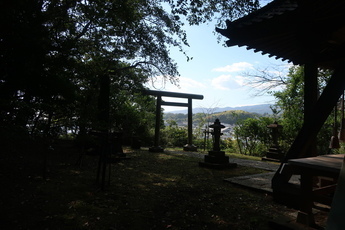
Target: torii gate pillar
pixel 189 146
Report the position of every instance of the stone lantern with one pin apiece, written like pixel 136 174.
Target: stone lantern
pixel 216 158
pixel 274 153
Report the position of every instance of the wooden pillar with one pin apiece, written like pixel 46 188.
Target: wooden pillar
pixel 310 99
pixel 310 129
pixel 189 146
pixel 158 120
pixel 336 216
pixel 104 103
pixel 103 126
pixel 305 215
pixel 190 122
pixel 156 147
pixel 321 111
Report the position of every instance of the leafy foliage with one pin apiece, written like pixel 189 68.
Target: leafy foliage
pixel 291 103
pixel 253 136
pixel 72 66
pixel 231 117
pixel 198 11
pixel 174 136
pixel 201 121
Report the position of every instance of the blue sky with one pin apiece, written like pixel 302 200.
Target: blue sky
pixel 217 72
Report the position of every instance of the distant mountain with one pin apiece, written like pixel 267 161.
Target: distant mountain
pixel 260 109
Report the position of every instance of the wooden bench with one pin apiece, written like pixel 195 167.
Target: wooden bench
pixel 322 166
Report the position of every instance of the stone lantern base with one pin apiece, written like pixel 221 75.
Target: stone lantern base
pixel 217 160
pixel 273 154
pixel 191 148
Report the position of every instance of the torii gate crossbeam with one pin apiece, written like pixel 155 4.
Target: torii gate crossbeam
pixel 159 94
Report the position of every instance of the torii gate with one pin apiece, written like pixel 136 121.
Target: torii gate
pixel 159 94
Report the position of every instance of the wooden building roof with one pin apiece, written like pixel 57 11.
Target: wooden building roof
pixel 299 31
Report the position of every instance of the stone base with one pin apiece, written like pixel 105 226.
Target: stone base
pixel 216 153
pixel 217 160
pixel 156 149
pixel 274 154
pixel 190 148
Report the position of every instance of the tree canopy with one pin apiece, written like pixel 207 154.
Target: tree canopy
pixel 64 59
pixel 290 102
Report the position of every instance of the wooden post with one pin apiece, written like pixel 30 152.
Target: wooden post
pixel 310 128
pixel 104 103
pixel 156 147
pixel 158 120
pixel 336 216
pixel 103 128
pixel 189 146
pixel 310 99
pixel 190 122
pixel 305 215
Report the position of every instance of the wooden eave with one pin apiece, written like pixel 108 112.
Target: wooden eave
pixel 293 30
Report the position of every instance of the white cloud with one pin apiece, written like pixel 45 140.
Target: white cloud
pixel 227 82
pixel 185 85
pixel 188 83
pixel 236 67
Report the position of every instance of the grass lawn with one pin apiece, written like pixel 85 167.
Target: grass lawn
pixel 149 191
pixel 230 154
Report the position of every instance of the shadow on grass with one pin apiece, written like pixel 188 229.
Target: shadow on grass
pixel 150 191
